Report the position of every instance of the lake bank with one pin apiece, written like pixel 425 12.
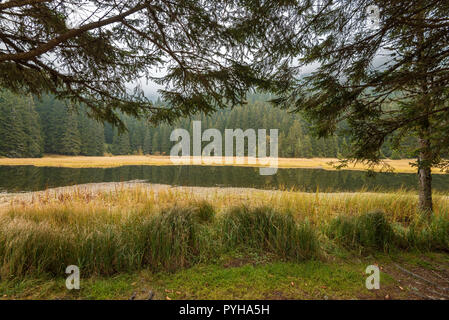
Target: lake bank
pixel 400 166
pixel 139 192
pixel 130 238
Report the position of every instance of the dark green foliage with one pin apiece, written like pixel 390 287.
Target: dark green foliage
pixel 67 132
pixel 295 139
pixel 120 144
pixel 266 229
pixel 52 115
pixel 368 231
pixel 90 51
pixel 70 141
pixel 147 145
pixel 387 84
pixel 20 133
pixel 91 136
pixel 384 83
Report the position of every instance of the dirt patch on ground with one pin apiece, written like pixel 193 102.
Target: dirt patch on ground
pixel 425 279
pixel 236 262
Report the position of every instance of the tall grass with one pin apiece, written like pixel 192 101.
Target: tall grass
pixel 367 231
pixel 430 235
pixel 169 239
pixel 266 229
pixel 129 229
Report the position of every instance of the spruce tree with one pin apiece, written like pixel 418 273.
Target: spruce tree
pixel 120 144
pixel 147 147
pixel 388 80
pixel 32 129
pixel 70 141
pixel 12 142
pixel 89 51
pixel 19 126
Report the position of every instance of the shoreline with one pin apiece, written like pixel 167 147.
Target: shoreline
pixel 397 166
pixel 198 192
pixel 224 236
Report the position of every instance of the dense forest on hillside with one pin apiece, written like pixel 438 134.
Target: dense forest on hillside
pixel 31 127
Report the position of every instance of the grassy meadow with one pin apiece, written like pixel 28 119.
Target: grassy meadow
pixel 400 166
pixel 134 237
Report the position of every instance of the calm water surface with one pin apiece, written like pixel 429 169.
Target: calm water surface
pixel 29 178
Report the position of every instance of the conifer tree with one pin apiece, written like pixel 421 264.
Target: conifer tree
pixel 386 81
pixel 70 141
pixel 19 126
pixel 120 144
pixel 88 51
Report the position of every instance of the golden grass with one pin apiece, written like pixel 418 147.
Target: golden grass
pixel 133 227
pixel 402 165
pixel 93 204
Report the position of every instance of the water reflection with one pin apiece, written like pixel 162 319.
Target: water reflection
pixel 29 178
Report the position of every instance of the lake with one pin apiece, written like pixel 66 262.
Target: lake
pixel 30 178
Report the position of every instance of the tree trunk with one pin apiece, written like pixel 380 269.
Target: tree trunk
pixel 425 176
pixel 426 157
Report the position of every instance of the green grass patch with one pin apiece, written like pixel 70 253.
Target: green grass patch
pixel 274 280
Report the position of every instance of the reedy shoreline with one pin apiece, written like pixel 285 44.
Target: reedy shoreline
pixel 136 226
